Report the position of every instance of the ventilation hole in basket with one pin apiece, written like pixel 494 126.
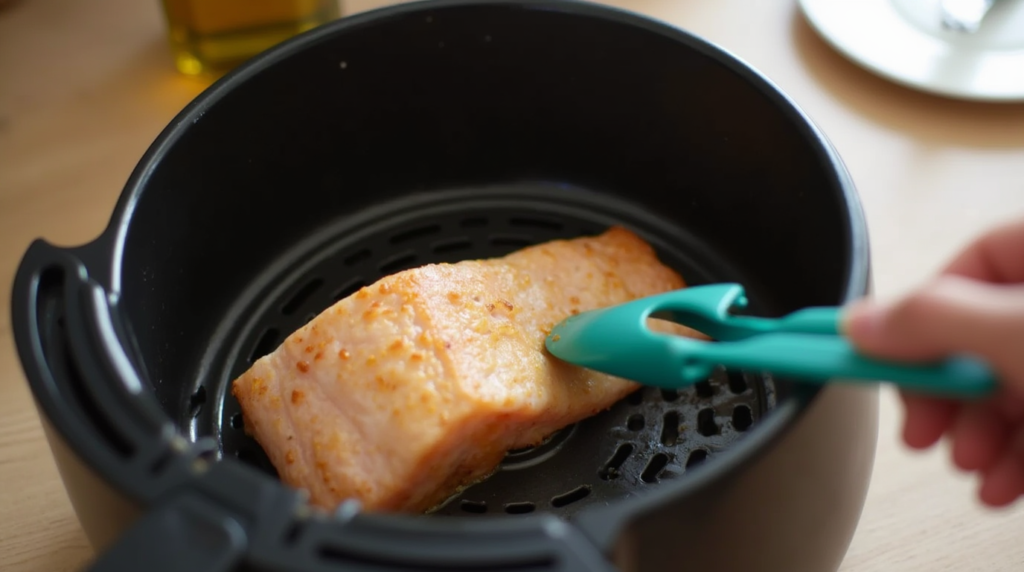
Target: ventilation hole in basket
pixel 349 289
pixel 237 421
pixel 706 425
pixel 475 507
pixel 473 222
pixel 536 223
pixel 704 389
pixel 358 257
pixel 415 233
pixel 453 245
pixel 737 382
pixel 264 345
pixel 301 296
pixel 669 395
pixel 670 429
pixel 519 507
pixel 696 457
pixel 742 418
pixel 635 398
pixel 610 470
pixel 510 240
pixel 579 493
pixel 654 468
pixel 397 263
pixel 196 401
pixel 635 422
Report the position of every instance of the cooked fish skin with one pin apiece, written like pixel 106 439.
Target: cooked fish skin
pixel 417 385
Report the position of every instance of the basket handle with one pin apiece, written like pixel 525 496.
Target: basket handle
pixel 186 533
pixel 67 334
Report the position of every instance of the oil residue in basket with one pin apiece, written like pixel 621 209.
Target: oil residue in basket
pixel 212 36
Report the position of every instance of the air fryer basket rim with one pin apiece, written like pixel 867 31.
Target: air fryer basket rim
pixel 857 233
pixel 858 278
pixel 104 253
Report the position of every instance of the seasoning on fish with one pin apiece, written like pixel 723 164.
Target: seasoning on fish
pixel 415 387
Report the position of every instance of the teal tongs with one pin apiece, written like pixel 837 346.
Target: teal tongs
pixel 806 346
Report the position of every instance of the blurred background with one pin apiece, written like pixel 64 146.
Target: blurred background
pixel 85 87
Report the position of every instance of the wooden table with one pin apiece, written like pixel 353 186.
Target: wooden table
pixel 86 86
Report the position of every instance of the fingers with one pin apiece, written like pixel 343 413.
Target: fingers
pixel 949 315
pixel 996 257
pixel 1009 402
pixel 1003 483
pixel 927 419
pixel 976 307
pixel 987 438
pixel 980 436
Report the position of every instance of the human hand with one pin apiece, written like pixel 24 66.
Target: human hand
pixel 976 306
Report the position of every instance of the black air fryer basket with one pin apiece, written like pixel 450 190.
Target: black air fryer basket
pixel 444 131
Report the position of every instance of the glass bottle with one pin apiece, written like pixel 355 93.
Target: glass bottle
pixel 212 36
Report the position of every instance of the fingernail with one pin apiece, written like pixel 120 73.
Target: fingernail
pixel 862 320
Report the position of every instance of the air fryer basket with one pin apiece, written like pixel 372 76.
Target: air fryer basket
pixel 444 131
pixel 651 435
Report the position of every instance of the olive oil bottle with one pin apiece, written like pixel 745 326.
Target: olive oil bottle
pixel 210 37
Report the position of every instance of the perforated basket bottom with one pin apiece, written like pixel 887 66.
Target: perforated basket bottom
pixel 648 437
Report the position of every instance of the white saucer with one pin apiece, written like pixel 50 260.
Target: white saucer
pixel 903 41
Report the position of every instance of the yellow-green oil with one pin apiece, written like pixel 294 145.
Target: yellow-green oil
pixel 209 37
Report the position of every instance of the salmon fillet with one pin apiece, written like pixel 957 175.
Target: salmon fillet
pixel 416 386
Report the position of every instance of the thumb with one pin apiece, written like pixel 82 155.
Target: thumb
pixel 949 315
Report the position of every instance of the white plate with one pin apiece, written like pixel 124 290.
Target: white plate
pixel 903 40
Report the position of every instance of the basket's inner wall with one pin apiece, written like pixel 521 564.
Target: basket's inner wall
pixel 456 100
